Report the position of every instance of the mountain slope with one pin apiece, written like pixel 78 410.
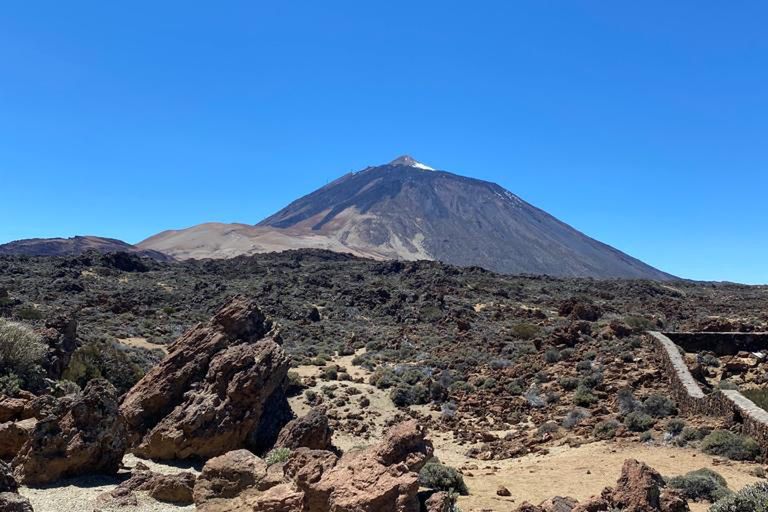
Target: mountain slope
pixel 74 246
pixel 406 210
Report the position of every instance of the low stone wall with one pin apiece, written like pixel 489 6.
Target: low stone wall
pixel 730 405
pixel 721 343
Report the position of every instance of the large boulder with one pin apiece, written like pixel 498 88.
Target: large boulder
pixel 310 431
pixel 7 481
pixel 83 434
pixel 176 488
pixel 638 488
pixel 13 435
pixel 382 478
pixel 221 388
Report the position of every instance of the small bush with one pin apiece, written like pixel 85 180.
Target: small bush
pixel 675 426
pixel 752 498
pixel 702 484
pixel 525 331
pixel 659 406
pixel 584 397
pixel 21 352
pixel 646 437
pixel 403 396
pixel 515 387
pixel 730 445
pixel 574 417
pixel 548 428
pixel 441 477
pixel 584 366
pixel 277 455
pixel 569 383
pixel 10 384
pixel 638 421
pixel 552 356
pixel 606 429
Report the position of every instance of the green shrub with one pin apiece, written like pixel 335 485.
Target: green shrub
pixel 646 437
pixel 730 445
pixel 10 384
pixel 441 477
pixel 659 406
pixel 28 313
pixel 552 355
pixel 574 417
pixel 675 426
pixel 277 455
pixel 752 498
pixel 637 421
pixel 569 383
pixel 606 429
pixel 403 396
pixel 525 331
pixel 21 352
pixel 584 397
pixel 757 395
pixel 702 484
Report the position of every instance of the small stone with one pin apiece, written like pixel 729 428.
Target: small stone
pixel 503 491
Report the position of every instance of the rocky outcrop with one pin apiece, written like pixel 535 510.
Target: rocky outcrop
pixel 13 435
pixel 382 478
pixel 310 431
pixel 10 501
pixel 175 488
pixel 639 489
pixel 221 388
pixel 83 434
pixel 60 334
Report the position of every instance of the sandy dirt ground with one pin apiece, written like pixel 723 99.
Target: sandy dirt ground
pixel 81 494
pixel 142 343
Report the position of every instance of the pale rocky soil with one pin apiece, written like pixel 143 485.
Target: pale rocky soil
pixel 142 343
pixel 81 494
pixel 578 472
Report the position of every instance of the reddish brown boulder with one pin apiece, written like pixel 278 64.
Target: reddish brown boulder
pixel 310 431
pixel 175 488
pixel 671 501
pixel 60 334
pixel 11 408
pixel 503 491
pixel 13 435
pixel 84 434
pixel 638 488
pixel 228 476
pixel 382 478
pixel 221 388
pixel 438 502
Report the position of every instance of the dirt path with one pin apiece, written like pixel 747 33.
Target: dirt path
pixel 142 343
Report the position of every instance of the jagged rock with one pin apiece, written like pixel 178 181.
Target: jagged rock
pixel 84 434
pixel 503 491
pixel 60 334
pixel 559 504
pixel 7 481
pixel 221 388
pixel 175 488
pixel 638 488
pixel 228 476
pixel 671 501
pixel 438 502
pixel 13 435
pixel 310 431
pixel 12 502
pixel 382 478
pixel 11 408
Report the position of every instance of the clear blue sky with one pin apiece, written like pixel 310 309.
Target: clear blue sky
pixel 643 124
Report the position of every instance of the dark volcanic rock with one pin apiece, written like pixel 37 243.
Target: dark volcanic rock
pixel 311 431
pixel 84 434
pixel 220 388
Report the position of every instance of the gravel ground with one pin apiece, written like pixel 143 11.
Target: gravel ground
pixel 81 494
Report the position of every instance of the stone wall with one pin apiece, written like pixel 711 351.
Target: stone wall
pixel 721 343
pixel 729 405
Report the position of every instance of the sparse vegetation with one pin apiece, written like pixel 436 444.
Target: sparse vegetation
pixel 730 445
pixel 638 421
pixel 277 456
pixel 752 498
pixel 702 484
pixel 435 475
